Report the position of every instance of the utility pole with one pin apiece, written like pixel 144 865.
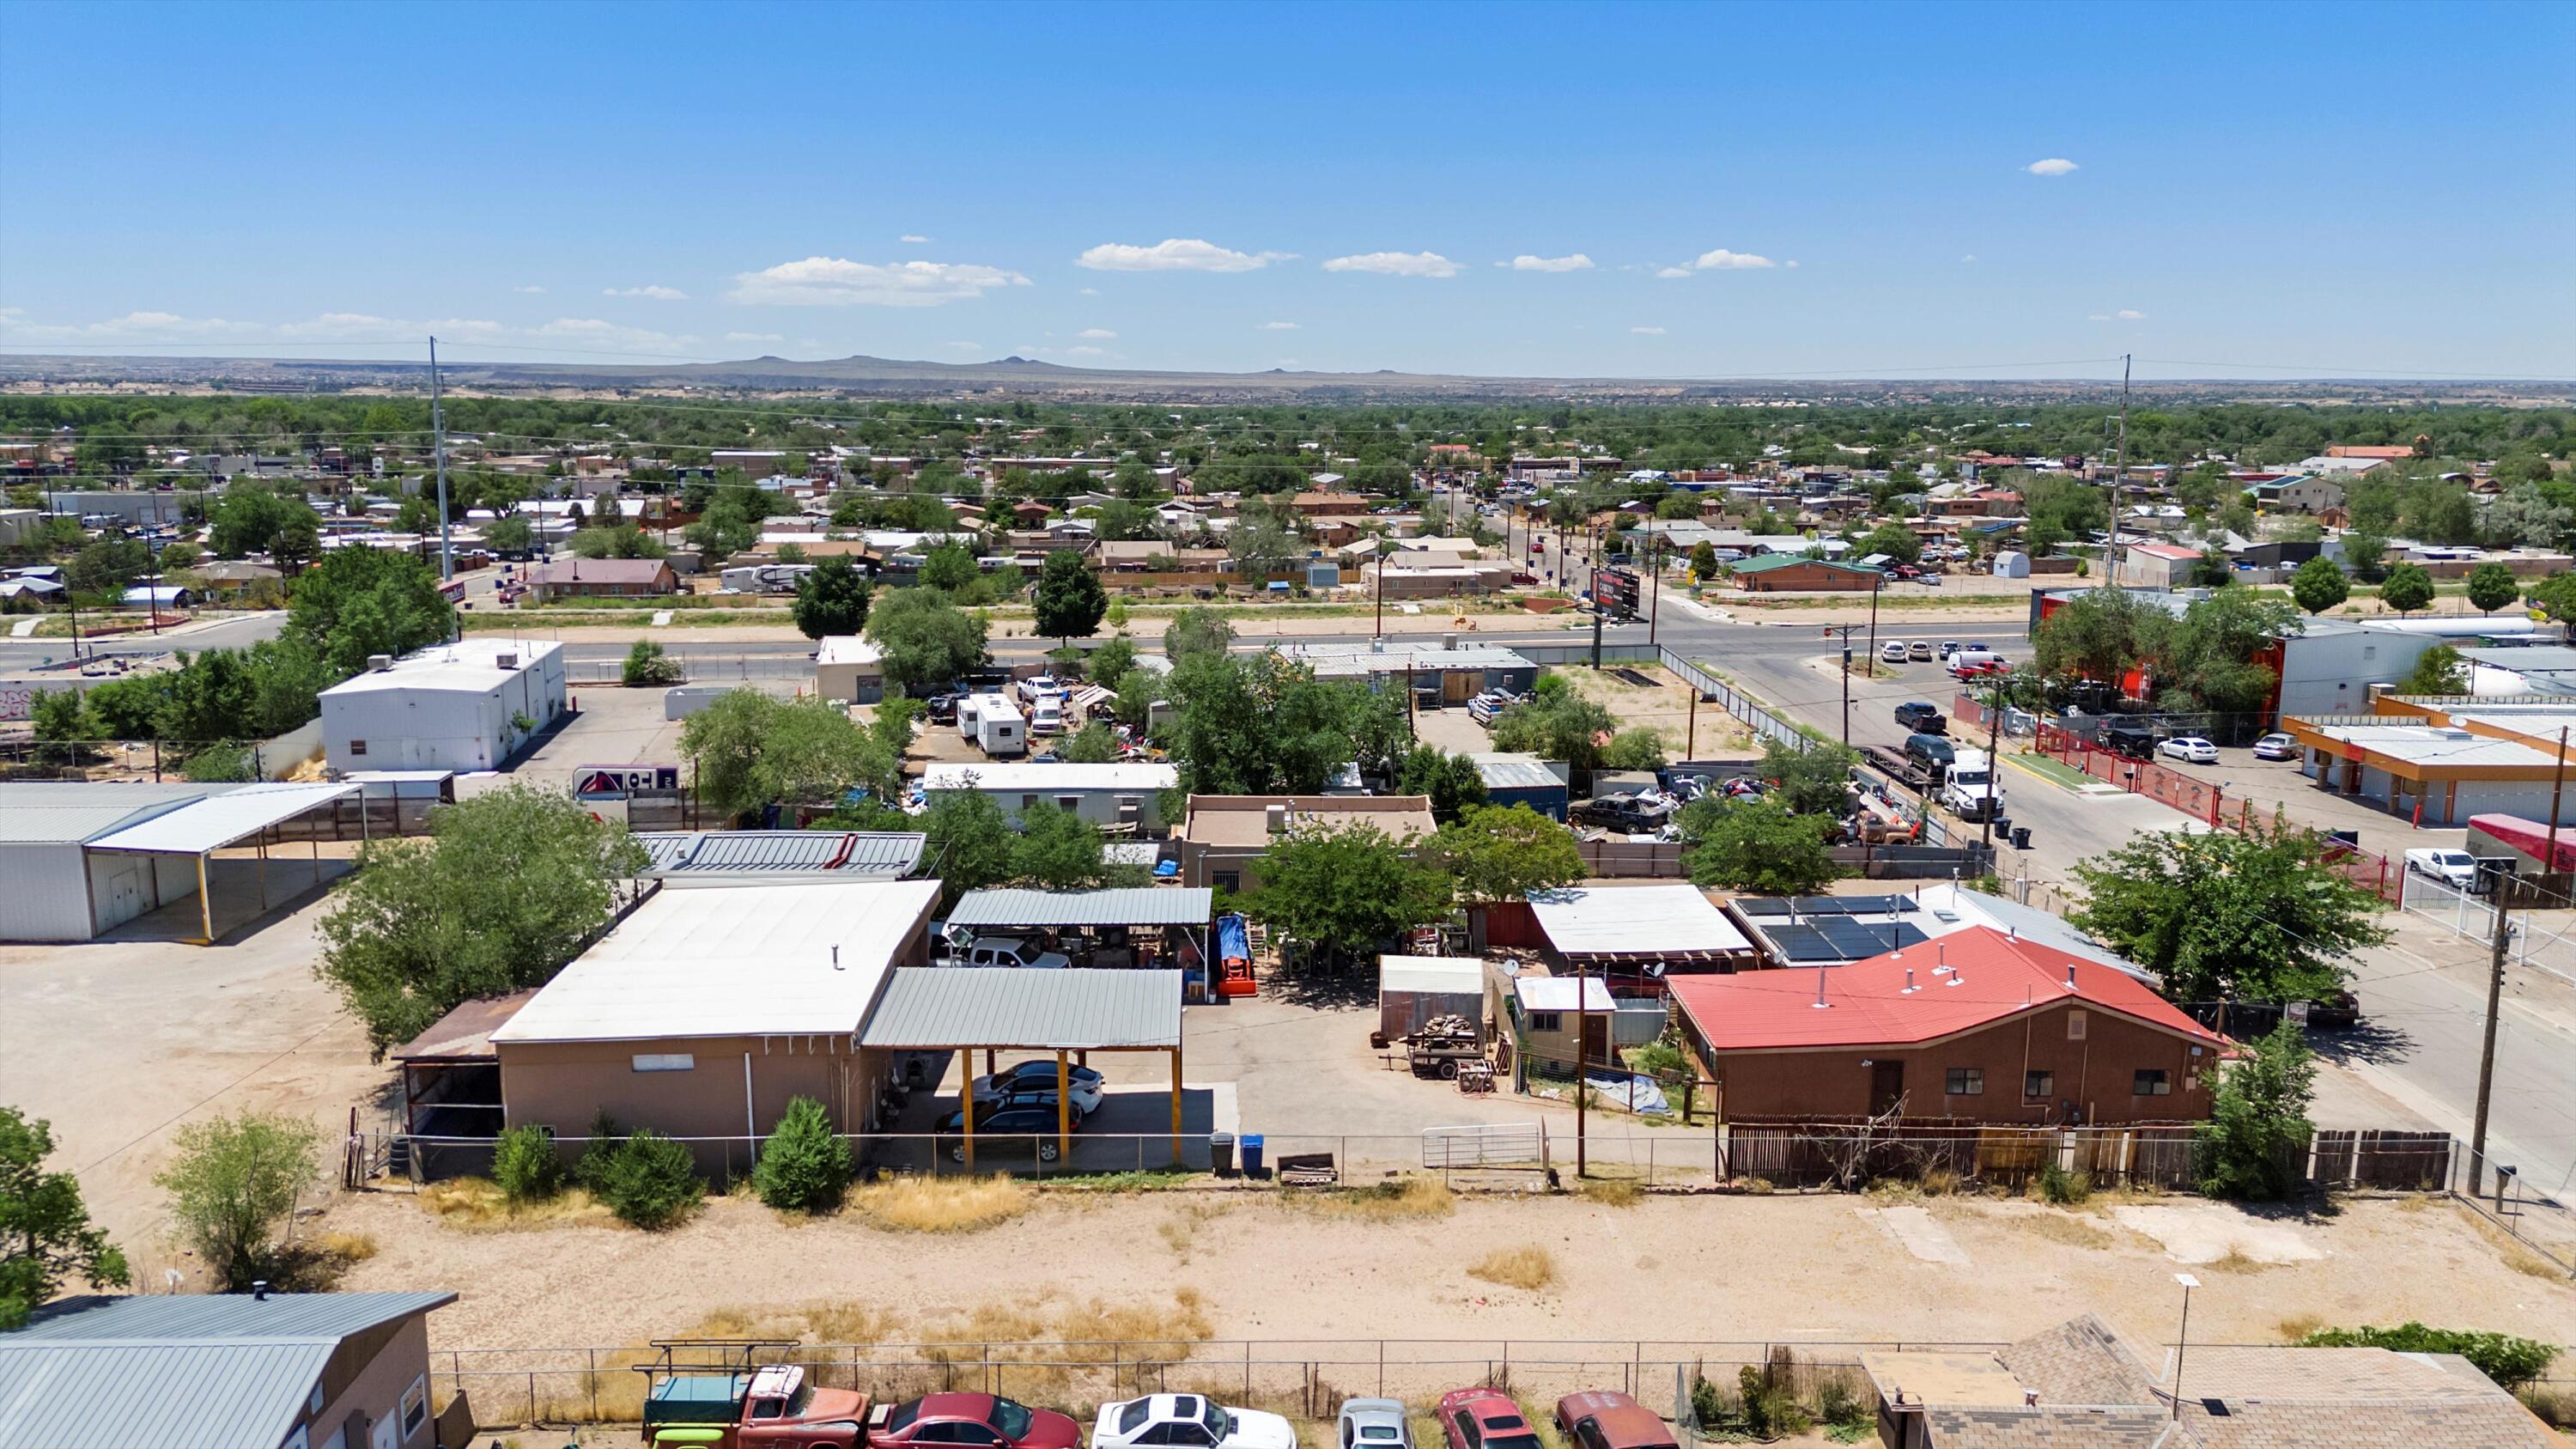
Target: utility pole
pixel 1844 633
pixel 1380 561
pixel 1654 584
pixel 1994 764
pixel 438 451
pixel 1875 585
pixel 2557 789
pixel 2496 874
pixel 2119 461
pixel 1582 1095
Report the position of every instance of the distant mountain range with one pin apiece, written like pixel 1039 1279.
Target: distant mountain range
pixel 862 376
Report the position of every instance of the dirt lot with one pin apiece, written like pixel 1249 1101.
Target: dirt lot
pixel 1827 1268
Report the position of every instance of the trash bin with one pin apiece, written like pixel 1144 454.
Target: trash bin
pixel 2021 837
pixel 2003 826
pixel 1252 1154
pixel 1221 1153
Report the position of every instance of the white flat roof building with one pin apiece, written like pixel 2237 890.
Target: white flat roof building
pixel 1672 922
pixel 1104 794
pixel 451 707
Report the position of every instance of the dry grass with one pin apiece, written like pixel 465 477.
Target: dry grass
pixel 942 1204
pixel 1180 1231
pixel 1618 1192
pixel 1400 1200
pixel 475 1205
pixel 2298 1326
pixel 2237 1262
pixel 2067 1228
pixel 2511 1251
pixel 349 1247
pixel 1529 1267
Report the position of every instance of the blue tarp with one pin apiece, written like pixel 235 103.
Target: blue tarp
pixel 1232 943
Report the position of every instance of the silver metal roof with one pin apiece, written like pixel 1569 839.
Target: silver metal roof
pixel 1129 906
pixel 1515 772
pixel 198 1372
pixel 927 1007
pixel 219 820
pixel 842 854
pixel 45 812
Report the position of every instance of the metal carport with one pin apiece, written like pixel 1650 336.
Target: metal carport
pixel 208 825
pixel 965 1010
pixel 1187 909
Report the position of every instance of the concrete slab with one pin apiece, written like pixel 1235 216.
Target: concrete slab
pixel 1915 1231
pixel 2210 1232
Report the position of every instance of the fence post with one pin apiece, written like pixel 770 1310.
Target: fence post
pixel 594 1384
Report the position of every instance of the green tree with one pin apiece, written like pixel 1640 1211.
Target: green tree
pixel 1199 630
pixel 1452 782
pixel 2407 588
pixel 804 1165
pixel 2319 585
pixel 2438 671
pixel 1138 691
pixel 2100 635
pixel 650 1181
pixel 1634 749
pixel 620 540
pixel 1263 725
pixel 1895 540
pixel 506 888
pixel 2492 586
pixel 950 568
pixel 967 841
pixel 231 1185
pixel 832 598
pixel 526 1166
pixel 1057 850
pixel 2364 553
pixel 1812 781
pixel 512 534
pixel 2512 1362
pixel 750 750
pixel 61 716
pixel 45 1235
pixel 1090 745
pixel 2229 917
pixel 108 566
pixel 1756 846
pixel 1501 853
pixel 250 519
pixel 649 666
pixel 2253 1148
pixel 363 601
pixel 2211 654
pixel 2555 597
pixel 927 641
pixel 1703 561
pixel 1069 600
pixel 1342 892
pixel 1262 544
pixel 1556 725
pixel 1110 662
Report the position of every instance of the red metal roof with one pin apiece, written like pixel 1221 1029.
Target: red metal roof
pixel 2164 550
pixel 1998 976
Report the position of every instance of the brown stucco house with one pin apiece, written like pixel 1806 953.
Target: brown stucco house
pixel 704 1012
pixel 1222 839
pixel 591 578
pixel 1981 1025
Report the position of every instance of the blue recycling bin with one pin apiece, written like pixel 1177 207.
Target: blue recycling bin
pixel 1251 1144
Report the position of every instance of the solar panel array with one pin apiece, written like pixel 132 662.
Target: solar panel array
pixel 1832 939
pixel 1803 906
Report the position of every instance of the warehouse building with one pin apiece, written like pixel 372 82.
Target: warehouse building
pixel 459 706
pixel 79 858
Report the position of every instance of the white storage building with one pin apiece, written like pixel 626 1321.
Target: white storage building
pixel 79 858
pixel 450 707
pixel 1105 795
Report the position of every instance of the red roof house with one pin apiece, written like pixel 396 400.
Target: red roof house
pixel 1979 1025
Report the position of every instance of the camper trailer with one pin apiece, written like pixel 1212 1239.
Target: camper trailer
pixel 774 578
pixel 999 729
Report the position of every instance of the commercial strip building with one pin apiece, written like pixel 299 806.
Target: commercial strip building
pixel 221 1371
pixel 78 859
pixel 1980 1026
pixel 1112 796
pixel 463 706
pixel 2428 774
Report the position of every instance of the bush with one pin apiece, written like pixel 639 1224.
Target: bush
pixel 651 1182
pixel 2064 1188
pixel 805 1165
pixel 648 666
pixel 526 1165
pixel 2509 1361
pixel 234 1181
pixel 596 1153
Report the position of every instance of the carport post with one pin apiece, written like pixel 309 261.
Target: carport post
pixel 1063 1107
pixel 1176 1103
pixel 262 848
pixel 965 1107
pixel 205 902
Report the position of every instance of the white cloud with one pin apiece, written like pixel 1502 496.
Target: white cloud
pixel 1278 326
pixel 1175 254
pixel 1095 332
pixel 1722 260
pixel 1090 291
pixel 2131 314
pixel 754 337
pixel 1395 264
pixel 657 293
pixel 965 346
pixel 908 239
pixel 1970 257
pixel 1285 362
pixel 530 291
pixel 839 282
pixel 1084 352
pixel 1670 272
pixel 1791 265
pixel 2053 166
pixel 356 328
pixel 1577 262
pixel 1647 331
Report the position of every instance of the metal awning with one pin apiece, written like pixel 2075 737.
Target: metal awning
pixel 930 1008
pixel 219 820
pixel 1130 906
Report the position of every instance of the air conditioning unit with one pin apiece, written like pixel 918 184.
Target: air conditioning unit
pixel 505 661
pixel 380 662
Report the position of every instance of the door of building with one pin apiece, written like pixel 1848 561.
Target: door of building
pixel 1886 1086
pixel 125 895
pixel 1596 1038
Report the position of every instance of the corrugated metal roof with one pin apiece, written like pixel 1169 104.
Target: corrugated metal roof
pixel 218 821
pixel 1437 975
pixel 1516 772
pixel 1072 1010
pixel 840 854
pixel 1664 920
pixel 56 811
pixel 726 960
pixel 1130 906
pixel 221 1371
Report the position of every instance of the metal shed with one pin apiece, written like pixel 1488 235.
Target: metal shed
pixel 1064 1012
pixel 1411 990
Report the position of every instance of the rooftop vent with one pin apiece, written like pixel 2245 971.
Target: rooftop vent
pixel 380 662
pixel 505 661
pixel 1276 818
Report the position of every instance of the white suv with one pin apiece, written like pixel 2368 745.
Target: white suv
pixel 1011 951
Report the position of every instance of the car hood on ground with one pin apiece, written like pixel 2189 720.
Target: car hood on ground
pixel 1254 1429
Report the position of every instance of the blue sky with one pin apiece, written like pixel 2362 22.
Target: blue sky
pixel 1699 191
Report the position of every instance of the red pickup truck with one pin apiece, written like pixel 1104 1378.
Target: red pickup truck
pixel 740 1407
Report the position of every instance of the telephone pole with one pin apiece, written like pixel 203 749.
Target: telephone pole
pixel 1844 633
pixel 1582 1036
pixel 2119 463
pixel 438 451
pixel 2496 873
pixel 1994 764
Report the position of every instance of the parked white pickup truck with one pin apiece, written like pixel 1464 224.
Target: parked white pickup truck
pixel 2455 868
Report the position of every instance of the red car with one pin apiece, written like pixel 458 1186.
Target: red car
pixel 1608 1419
pixel 982 1419
pixel 1484 1419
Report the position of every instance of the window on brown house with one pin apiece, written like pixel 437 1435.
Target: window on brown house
pixel 1966 1082
pixel 2152 1082
pixel 2038 1086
